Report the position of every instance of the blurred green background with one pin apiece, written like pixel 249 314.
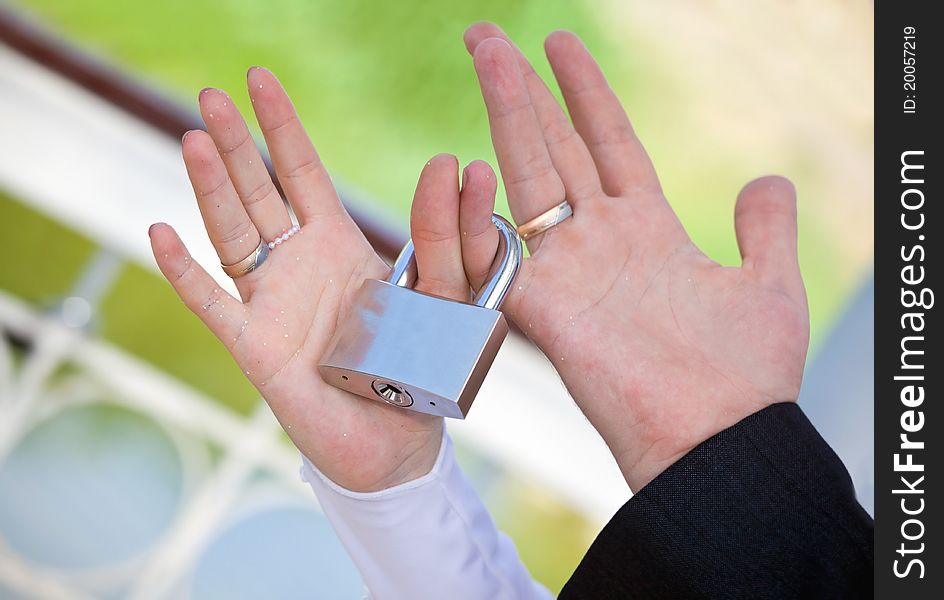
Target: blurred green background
pixel 720 93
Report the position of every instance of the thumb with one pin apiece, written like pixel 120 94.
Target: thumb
pixel 765 220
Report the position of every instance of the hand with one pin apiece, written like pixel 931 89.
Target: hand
pixel 292 304
pixel 660 346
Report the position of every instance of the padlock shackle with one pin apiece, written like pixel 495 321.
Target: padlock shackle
pixel 404 269
pixel 501 275
pixel 504 268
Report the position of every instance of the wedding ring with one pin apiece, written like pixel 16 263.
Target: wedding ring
pixel 545 220
pixel 248 264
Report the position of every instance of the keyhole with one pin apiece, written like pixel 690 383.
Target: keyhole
pixel 392 393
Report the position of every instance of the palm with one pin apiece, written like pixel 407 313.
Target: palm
pixel 688 339
pixel 290 319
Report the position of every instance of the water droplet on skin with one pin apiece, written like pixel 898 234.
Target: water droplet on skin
pixel 165 255
pixel 282 312
pixel 250 162
pixel 344 434
pixel 265 343
pixel 286 335
pixel 330 281
pixel 221 315
pixel 260 86
pixel 211 115
pixel 289 426
pixel 225 104
pixel 520 287
pixel 298 258
pixel 529 325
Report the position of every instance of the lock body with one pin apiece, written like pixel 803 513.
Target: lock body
pixel 418 351
pixel 413 350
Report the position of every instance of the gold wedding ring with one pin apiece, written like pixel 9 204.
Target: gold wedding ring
pixel 248 264
pixel 545 220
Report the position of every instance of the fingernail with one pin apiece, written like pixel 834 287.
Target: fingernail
pixel 205 90
pixel 184 136
pixel 465 175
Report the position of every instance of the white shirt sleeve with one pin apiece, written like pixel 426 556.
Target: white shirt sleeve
pixel 428 538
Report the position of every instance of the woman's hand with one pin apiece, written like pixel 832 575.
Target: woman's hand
pixel 292 304
pixel 660 346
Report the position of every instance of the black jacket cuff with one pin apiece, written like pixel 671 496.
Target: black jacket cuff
pixel 764 509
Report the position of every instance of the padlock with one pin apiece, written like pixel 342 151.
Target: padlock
pixel 419 351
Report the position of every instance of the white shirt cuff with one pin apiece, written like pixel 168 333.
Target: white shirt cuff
pixel 427 538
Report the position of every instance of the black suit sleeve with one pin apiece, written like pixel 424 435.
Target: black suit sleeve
pixel 764 509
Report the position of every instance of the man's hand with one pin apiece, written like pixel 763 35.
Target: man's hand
pixel 292 304
pixel 660 346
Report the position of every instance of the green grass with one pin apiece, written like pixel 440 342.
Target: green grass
pixel 550 536
pixel 143 315
pixel 42 271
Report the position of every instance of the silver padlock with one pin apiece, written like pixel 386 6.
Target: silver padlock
pixel 419 351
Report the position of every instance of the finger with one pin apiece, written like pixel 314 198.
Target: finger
pixel 479 235
pixel 222 314
pixel 531 182
pixel 231 232
pixel 434 227
pixel 569 154
pixel 303 176
pixel 620 158
pixel 248 173
pixel 765 220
